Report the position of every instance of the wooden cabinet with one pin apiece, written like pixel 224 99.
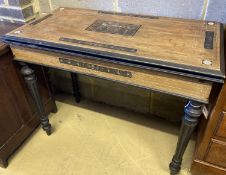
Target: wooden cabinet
pixel 217 153
pixel 18 116
pixel 210 154
pixel 221 126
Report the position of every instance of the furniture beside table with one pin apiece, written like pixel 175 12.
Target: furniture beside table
pixel 18 114
pixel 174 56
pixel 210 154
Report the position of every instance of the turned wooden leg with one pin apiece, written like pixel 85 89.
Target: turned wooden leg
pixel 75 86
pixel 31 81
pixel 46 74
pixel 192 112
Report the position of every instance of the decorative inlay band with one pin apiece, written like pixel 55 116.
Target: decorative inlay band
pixel 95 67
pixel 94 44
pixel 127 14
pixel 209 40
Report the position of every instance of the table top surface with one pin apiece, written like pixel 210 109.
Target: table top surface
pixel 188 47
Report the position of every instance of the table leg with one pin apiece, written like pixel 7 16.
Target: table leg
pixel 192 112
pixel 31 81
pixel 75 86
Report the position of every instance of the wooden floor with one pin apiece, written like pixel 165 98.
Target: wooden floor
pixel 95 139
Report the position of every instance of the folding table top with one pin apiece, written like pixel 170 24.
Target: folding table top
pixel 185 47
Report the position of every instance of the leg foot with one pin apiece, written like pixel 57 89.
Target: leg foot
pixel 31 81
pixel 75 86
pixel 175 166
pixel 3 163
pixel 191 117
pixel 46 126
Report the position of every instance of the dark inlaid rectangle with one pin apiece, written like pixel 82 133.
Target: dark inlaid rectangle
pixel 94 44
pixel 114 27
pixel 209 40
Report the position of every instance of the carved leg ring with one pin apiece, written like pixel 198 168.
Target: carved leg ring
pixel 75 86
pixel 31 81
pixel 192 112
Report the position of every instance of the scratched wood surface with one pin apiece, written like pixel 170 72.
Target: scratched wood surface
pixel 172 84
pixel 170 40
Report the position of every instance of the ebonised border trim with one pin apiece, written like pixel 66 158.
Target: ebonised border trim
pixel 119 81
pixel 177 69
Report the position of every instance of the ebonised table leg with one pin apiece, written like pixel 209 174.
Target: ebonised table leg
pixel 31 81
pixel 192 113
pixel 75 86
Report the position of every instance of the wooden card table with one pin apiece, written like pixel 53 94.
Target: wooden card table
pixel 174 56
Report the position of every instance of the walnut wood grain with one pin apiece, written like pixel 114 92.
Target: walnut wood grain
pixel 221 126
pixel 216 153
pixel 171 40
pixel 209 158
pixel 204 168
pixel 172 84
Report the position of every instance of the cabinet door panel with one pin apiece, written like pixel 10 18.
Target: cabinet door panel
pixel 10 118
pixel 221 128
pixel 217 153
